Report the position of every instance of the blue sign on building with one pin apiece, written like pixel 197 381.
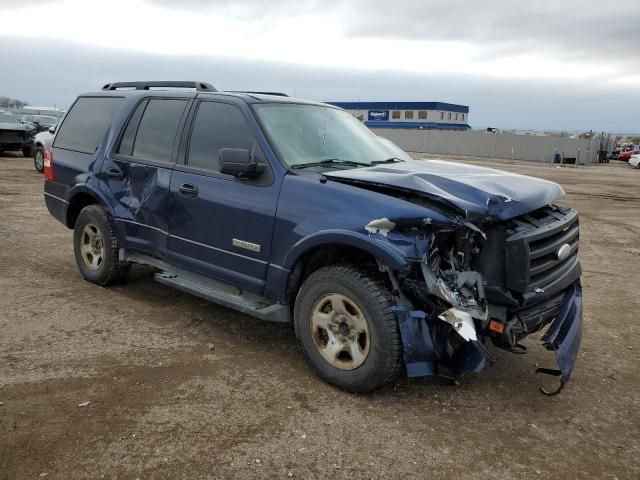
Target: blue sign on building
pixel 378 115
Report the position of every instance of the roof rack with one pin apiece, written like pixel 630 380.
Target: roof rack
pixel 277 94
pixel 199 86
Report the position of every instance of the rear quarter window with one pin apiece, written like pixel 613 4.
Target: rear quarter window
pixel 86 123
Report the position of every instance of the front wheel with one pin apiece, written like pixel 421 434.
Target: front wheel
pixel 347 329
pixel 26 151
pixel 96 248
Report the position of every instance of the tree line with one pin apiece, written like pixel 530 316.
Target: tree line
pixel 7 102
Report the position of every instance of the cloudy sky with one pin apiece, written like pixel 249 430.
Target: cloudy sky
pixel 570 64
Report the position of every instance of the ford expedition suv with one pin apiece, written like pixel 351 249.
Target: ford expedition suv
pixel 293 211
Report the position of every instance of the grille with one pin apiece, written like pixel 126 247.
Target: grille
pixel 533 244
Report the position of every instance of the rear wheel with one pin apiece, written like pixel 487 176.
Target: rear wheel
pixel 96 248
pixel 347 330
pixel 38 159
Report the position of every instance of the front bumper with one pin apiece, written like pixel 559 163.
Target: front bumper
pixel 421 350
pixel 563 337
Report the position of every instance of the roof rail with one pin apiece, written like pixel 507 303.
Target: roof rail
pixel 199 86
pixel 277 94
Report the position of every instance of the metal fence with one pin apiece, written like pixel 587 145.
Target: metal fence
pixel 493 145
pixel 29 110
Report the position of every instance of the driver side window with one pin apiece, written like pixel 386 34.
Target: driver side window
pixel 217 126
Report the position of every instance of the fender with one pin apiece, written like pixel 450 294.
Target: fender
pixel 278 276
pixel 387 253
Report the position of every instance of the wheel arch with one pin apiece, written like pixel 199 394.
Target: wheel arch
pixel 332 247
pixel 82 196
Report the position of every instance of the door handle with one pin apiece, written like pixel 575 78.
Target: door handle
pixel 115 174
pixel 188 190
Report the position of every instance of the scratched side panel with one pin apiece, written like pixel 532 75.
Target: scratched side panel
pixel 141 202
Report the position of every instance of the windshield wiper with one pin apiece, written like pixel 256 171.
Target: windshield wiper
pixel 331 161
pixel 388 160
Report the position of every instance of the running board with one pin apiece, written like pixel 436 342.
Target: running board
pixel 215 291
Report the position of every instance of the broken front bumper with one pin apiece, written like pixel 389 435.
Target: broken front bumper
pixel 564 335
pixel 420 350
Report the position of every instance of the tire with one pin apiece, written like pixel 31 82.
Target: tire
pixel 27 151
pixel 360 295
pixel 38 159
pixel 96 248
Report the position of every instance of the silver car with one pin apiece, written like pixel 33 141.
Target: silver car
pixel 41 143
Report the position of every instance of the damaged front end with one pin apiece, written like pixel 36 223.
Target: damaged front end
pixel 499 282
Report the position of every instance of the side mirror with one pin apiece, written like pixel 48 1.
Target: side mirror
pixel 238 162
pixel 52 130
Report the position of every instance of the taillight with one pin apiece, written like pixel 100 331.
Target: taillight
pixel 48 165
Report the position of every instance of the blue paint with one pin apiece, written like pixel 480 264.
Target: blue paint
pixel 477 192
pixel 565 333
pixel 418 347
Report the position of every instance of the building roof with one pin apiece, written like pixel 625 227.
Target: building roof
pixel 426 125
pixel 448 107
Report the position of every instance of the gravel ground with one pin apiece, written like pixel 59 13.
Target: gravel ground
pixel 179 388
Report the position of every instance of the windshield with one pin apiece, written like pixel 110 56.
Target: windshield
pixel 312 134
pixel 397 151
pixel 8 117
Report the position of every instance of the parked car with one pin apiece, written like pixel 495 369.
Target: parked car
pixel 625 156
pixel 42 143
pixel 293 211
pixel 15 135
pixel 615 153
pixel 634 161
pixel 42 123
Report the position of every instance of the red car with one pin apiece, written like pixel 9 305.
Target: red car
pixel 625 156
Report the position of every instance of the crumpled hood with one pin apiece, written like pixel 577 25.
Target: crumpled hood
pixel 479 192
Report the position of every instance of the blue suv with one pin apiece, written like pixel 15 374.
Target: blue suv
pixel 293 211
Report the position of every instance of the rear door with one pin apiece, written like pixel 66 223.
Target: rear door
pixel 78 145
pixel 221 226
pixel 137 172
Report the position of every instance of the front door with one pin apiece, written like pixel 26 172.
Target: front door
pixel 137 174
pixel 222 226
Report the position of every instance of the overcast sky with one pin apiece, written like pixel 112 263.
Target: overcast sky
pixel 572 65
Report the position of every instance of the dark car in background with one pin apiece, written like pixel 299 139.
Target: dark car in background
pixel 42 123
pixel 15 135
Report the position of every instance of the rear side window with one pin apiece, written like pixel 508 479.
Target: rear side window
pixel 216 126
pixel 157 130
pixel 86 123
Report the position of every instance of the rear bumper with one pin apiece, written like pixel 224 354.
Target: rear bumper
pixel 57 207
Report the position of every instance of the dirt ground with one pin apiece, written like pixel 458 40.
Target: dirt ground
pixel 180 388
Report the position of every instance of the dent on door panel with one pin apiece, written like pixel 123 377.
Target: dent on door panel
pixel 142 200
